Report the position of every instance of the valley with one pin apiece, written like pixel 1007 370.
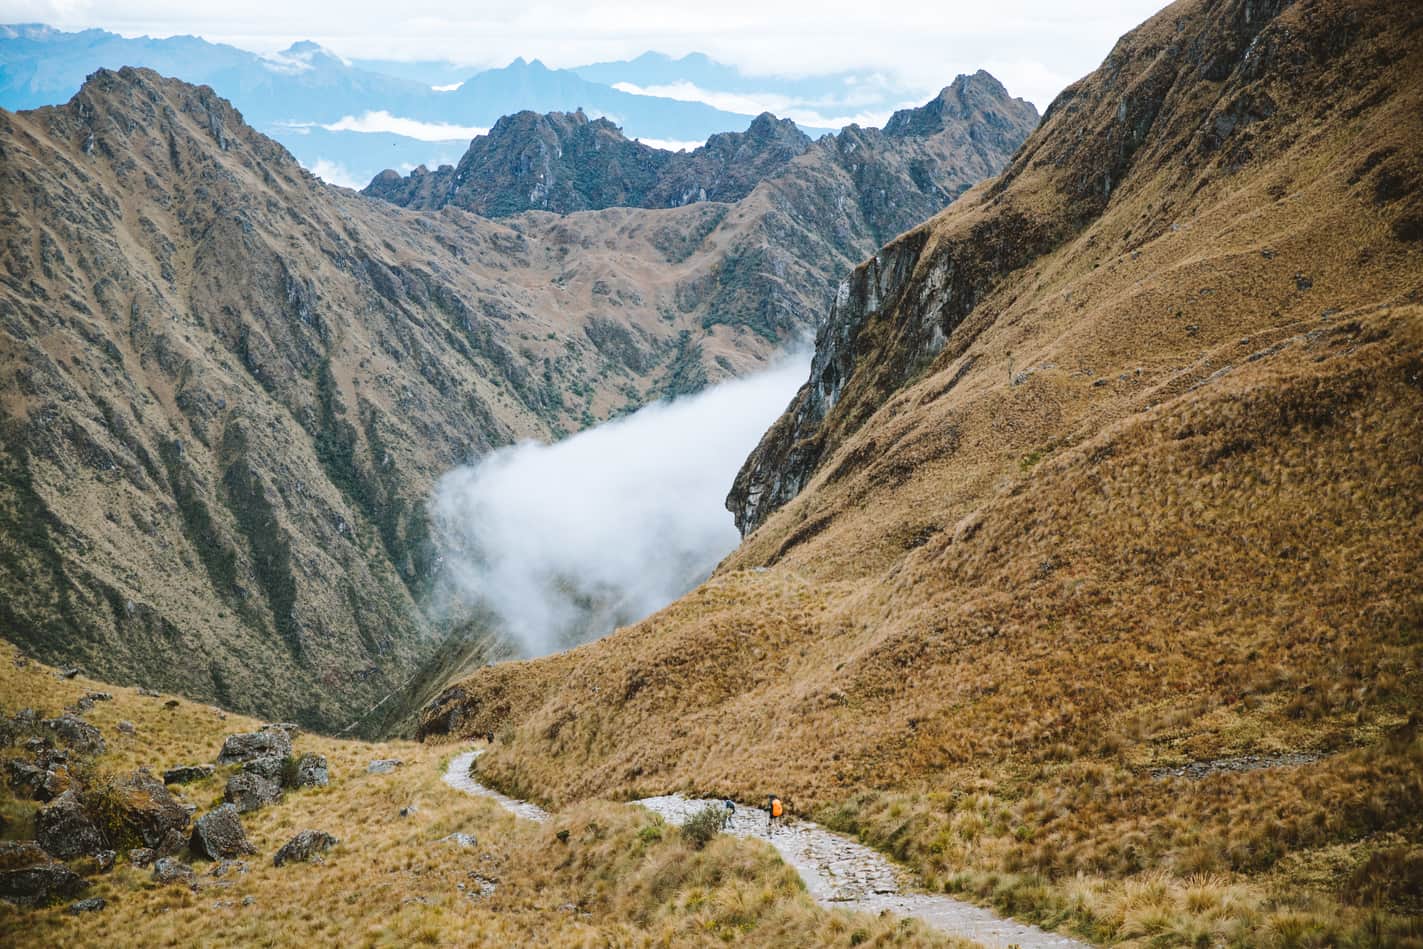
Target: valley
pixel 430 564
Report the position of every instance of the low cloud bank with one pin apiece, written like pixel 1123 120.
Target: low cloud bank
pixel 563 543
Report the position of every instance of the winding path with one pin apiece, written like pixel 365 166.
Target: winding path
pixel 838 872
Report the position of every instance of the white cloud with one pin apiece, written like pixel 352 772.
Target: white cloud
pixel 751 104
pixel 334 173
pixel 923 45
pixel 382 121
pixel 452 87
pixel 671 145
pixel 563 542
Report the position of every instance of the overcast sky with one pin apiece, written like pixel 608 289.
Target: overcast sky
pixel 1034 46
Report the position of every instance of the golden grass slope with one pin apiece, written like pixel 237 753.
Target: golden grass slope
pixel 622 877
pixel 1152 499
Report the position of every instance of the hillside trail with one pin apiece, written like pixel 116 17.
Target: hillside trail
pixel 838 872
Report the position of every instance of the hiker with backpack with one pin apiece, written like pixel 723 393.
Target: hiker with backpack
pixel 728 813
pixel 775 811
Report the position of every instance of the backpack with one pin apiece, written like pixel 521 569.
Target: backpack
pixel 776 808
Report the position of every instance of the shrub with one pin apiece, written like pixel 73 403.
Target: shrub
pixel 702 826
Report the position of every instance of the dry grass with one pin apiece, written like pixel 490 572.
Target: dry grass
pixel 600 874
pixel 1192 532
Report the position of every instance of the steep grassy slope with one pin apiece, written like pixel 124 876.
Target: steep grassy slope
pixel 1084 573
pixel 599 874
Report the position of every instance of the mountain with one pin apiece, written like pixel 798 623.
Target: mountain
pixel 231 387
pixel 1083 573
pixel 566 162
pixel 301 95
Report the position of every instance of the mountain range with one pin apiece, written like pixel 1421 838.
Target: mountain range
pixel 233 386
pixel 350 119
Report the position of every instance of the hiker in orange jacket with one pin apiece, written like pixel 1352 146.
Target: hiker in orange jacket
pixel 775 811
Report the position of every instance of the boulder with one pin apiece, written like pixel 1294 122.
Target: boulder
pixel 169 870
pixel 141 856
pixel 187 773
pixel 311 771
pixel 148 810
pixel 76 733
pixel 33 782
pixel 125 727
pixel 30 877
pixel 249 791
pixel 304 846
pixel 383 765
pixel 91 905
pixel 260 744
pixel 218 834
pixel 63 828
pixel 172 844
pixel 290 729
pixel 268 766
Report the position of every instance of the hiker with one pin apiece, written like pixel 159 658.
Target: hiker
pixel 489 738
pixel 775 810
pixel 728 813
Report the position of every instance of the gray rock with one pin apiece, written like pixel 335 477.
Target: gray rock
pixel 291 729
pixel 104 860
pixel 173 843
pixel 187 774
pixel 125 727
pixel 246 747
pixel 268 766
pixel 218 834
pixel 39 883
pixel 249 791
pixel 311 771
pixel 169 870
pixel 304 846
pixel 148 693
pixel 383 765
pixel 77 734
pixel 63 829
pixel 141 856
pixel 91 905
pixel 69 673
pixel 32 782
pixel 461 840
pixel 150 810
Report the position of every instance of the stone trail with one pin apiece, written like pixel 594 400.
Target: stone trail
pixel 839 873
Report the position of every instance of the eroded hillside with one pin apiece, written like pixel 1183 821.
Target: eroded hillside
pixel 1084 572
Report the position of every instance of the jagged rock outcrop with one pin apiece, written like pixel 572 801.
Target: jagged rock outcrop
pixel 187 774
pixel 311 771
pixel 65 830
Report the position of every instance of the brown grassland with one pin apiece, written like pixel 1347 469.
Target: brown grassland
pixel 1157 501
pixel 621 878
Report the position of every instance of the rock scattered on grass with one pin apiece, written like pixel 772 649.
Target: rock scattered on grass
pixel 187 774
pixel 91 905
pixel 249 792
pixel 306 845
pixel 383 765
pixel 171 870
pixel 218 834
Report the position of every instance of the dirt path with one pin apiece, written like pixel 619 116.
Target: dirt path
pixel 838 872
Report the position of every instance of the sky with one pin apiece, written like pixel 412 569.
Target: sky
pixel 1035 47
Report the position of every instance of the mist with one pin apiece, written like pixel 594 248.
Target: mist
pixel 563 543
